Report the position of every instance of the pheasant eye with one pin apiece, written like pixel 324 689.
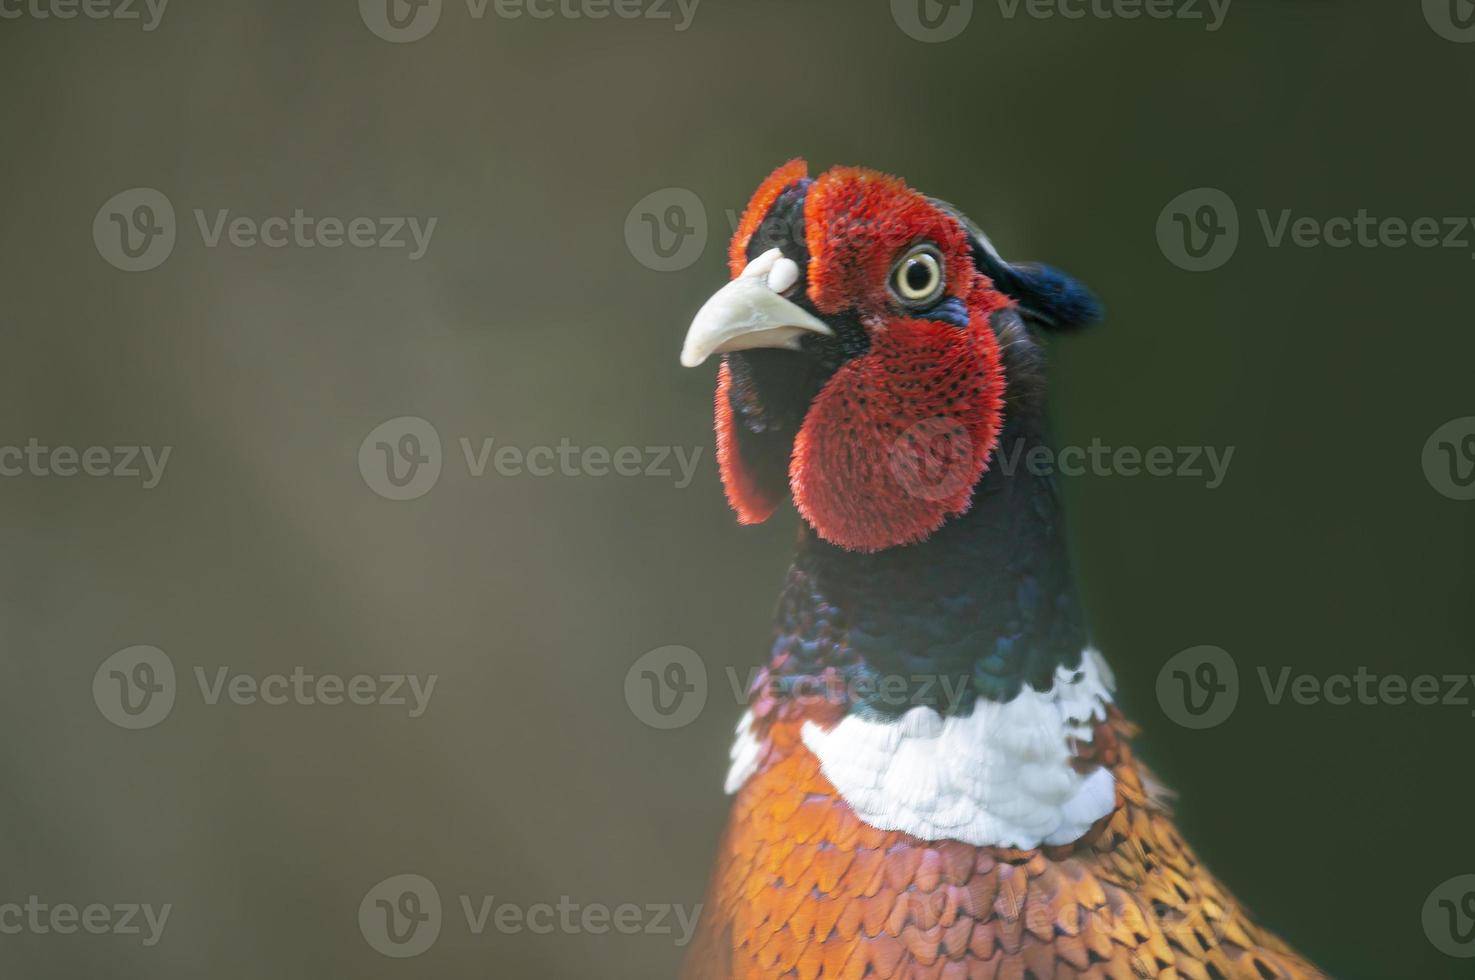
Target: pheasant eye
pixel 917 278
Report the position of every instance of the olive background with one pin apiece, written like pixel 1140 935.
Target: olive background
pixel 531 320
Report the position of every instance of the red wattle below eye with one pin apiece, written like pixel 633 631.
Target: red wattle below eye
pixel 895 442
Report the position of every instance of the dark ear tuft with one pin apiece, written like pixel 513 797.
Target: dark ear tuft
pixel 1047 297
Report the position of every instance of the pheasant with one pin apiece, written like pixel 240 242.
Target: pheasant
pixel 931 778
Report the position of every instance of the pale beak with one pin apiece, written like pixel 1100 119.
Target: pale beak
pixel 749 312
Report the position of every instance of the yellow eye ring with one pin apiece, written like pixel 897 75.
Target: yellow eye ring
pixel 917 279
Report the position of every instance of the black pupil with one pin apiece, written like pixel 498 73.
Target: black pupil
pixel 919 276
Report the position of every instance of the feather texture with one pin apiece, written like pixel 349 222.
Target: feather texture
pixel 805 889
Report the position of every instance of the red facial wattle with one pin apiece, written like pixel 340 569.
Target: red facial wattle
pixel 895 442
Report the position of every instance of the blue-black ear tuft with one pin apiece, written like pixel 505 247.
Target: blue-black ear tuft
pixel 1048 298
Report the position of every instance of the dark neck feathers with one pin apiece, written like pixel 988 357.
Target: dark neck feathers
pixel 984 606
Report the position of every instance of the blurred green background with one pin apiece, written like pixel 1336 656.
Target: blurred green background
pixel 530 320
